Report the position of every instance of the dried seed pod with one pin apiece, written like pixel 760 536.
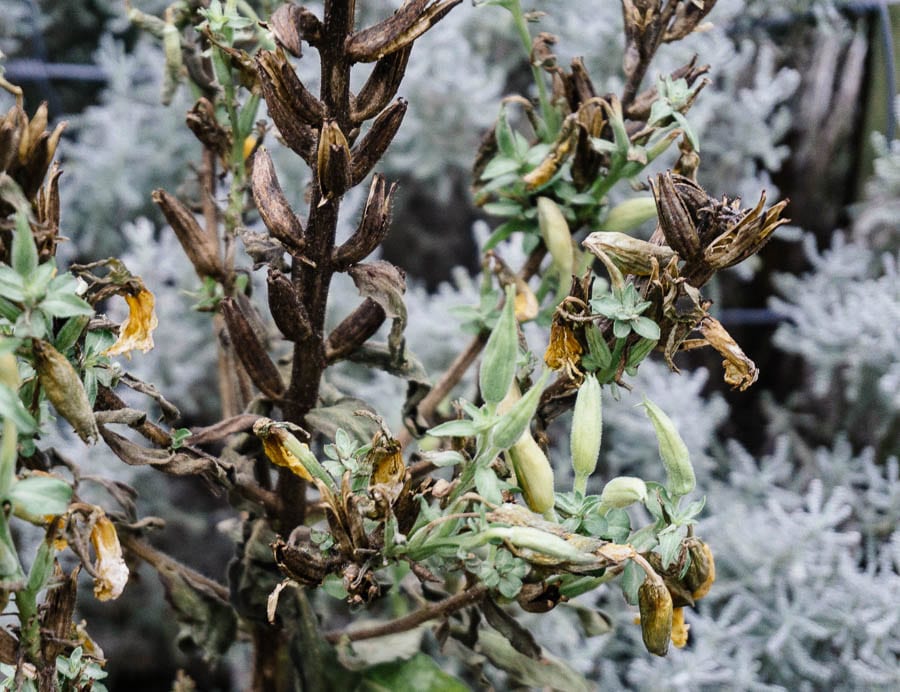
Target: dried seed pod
pixel 202 121
pixel 372 229
pixel 655 605
pixel 280 87
pixel 273 206
pixel 354 330
pixel 286 307
pixel 398 31
pixel 200 247
pixel 674 218
pixel 276 69
pixel 332 160
pixel 64 389
pixel 291 23
pixel 375 142
pixel 381 86
pixel 250 351
pixel 674 453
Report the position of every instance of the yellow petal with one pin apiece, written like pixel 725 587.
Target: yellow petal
pixel 112 572
pixel 281 456
pixel 136 332
pixel 679 629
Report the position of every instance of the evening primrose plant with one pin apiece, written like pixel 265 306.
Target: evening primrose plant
pixel 457 521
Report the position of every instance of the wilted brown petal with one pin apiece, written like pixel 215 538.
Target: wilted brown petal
pixel 740 371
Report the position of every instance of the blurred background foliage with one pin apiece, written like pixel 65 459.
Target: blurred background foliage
pixel 801 472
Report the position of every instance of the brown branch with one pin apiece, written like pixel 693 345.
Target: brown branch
pixel 414 619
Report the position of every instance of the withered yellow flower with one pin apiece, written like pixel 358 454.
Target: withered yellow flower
pixel 679 629
pixel 280 455
pixel 136 332
pixel 564 351
pixel 112 572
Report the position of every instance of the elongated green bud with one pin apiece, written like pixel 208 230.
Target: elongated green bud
pixel 64 389
pixel 630 214
pixel 623 491
pixel 558 239
pixel 672 450
pixel 498 366
pixel 540 541
pixel 534 474
pixel 515 422
pixel 587 431
pixel 655 604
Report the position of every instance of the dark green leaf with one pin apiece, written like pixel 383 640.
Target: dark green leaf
pixel 24 256
pixel 71 330
pixel 419 673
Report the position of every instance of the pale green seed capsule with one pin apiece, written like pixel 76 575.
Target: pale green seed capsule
pixel 558 239
pixel 630 214
pixel 534 474
pixel 623 491
pixel 498 366
pixel 672 450
pixel 587 431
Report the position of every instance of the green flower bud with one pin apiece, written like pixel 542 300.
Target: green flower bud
pixel 530 538
pixel 534 474
pixel 64 389
pixel 558 239
pixel 655 604
pixel 630 214
pixel 672 450
pixel 623 491
pixel 515 422
pixel 498 366
pixel 587 431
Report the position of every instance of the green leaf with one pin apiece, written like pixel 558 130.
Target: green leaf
pixel 506 141
pixel 488 484
pixel 621 328
pixel 669 544
pixel 443 459
pixel 420 673
pixel 24 255
pixel 499 165
pixel 503 208
pixel 65 305
pixel 619 525
pixel 632 578
pixel 504 231
pixel 646 328
pixel 454 428
pixel 40 279
pixel 9 310
pixel 71 330
pixel 36 497
pixel 12 285
pixel 11 407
